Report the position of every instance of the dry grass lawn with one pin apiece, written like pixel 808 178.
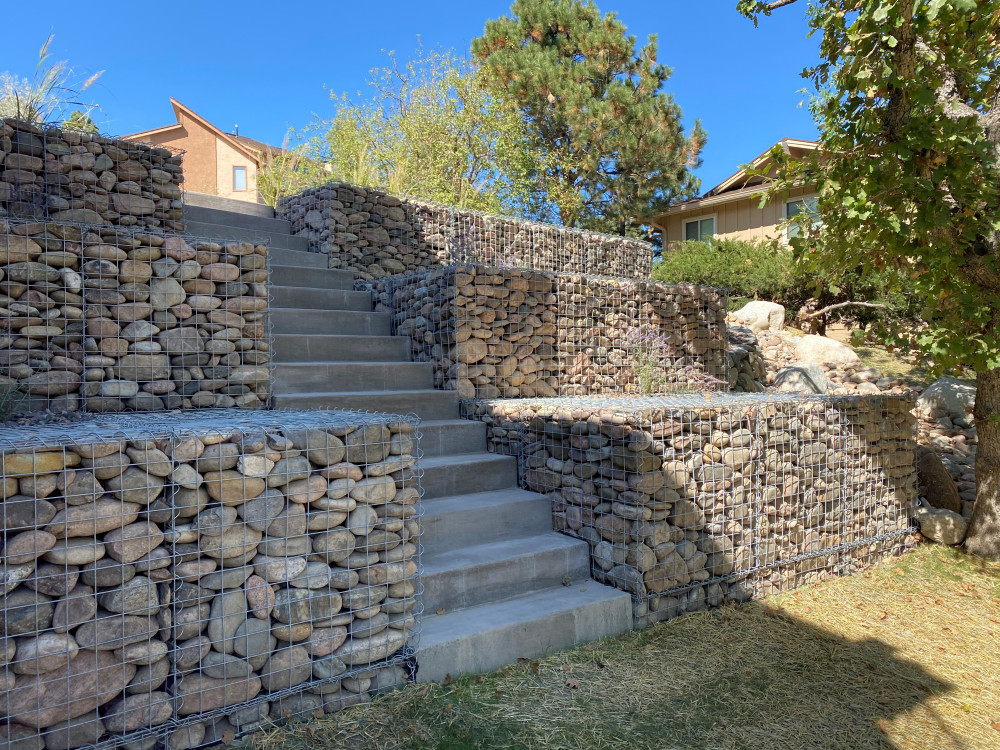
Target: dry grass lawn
pixel 905 656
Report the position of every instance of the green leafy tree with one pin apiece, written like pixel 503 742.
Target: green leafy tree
pixel 433 129
pixel 909 179
pixel 287 171
pixel 47 95
pixel 611 144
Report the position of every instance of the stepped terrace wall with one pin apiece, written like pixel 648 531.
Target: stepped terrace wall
pixel 48 174
pixel 109 318
pixel 175 580
pixel 377 235
pixel 502 332
pixel 689 501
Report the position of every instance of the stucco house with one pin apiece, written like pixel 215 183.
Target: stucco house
pixel 732 210
pixel 215 162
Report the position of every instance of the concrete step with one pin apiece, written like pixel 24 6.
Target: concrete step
pixel 320 299
pixel 295 347
pixel 283 257
pixel 452 437
pixel 429 405
pixel 224 217
pixel 305 377
pixel 467 473
pixel 484 638
pixel 482 518
pixel 204 200
pixel 336 322
pixel 468 576
pixel 221 231
pixel 314 278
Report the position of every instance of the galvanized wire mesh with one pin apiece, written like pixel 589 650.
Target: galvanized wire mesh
pixel 376 235
pixel 181 579
pixel 502 332
pixel 49 174
pixel 691 500
pixel 111 319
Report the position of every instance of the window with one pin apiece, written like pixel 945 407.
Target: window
pixel 239 179
pixel 700 230
pixel 795 208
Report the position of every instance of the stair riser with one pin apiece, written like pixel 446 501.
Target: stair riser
pixel 455 528
pixel 203 215
pixel 492 473
pixel 351 376
pixel 426 405
pixel 452 439
pixel 472 647
pixel 320 299
pixel 229 205
pixel 281 256
pixel 312 278
pixel 504 579
pixel 299 348
pixel 220 231
pixel 331 323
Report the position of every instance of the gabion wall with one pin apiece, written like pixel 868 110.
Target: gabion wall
pixel 171 580
pixel 511 333
pixel 688 501
pixel 48 174
pixel 377 235
pixel 111 318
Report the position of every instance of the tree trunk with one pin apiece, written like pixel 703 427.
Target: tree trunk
pixel 983 538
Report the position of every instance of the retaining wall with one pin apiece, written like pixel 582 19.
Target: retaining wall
pixel 688 501
pixel 48 174
pixel 112 319
pixel 376 235
pixel 181 579
pixel 502 332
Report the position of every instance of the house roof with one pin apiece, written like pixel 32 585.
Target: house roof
pixel 247 146
pixel 739 184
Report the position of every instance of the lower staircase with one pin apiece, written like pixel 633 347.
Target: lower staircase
pixel 498 583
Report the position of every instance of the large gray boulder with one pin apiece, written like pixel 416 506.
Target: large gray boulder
pixel 950 395
pixel 940 525
pixel 936 484
pixel 761 316
pixel 823 350
pixel 802 377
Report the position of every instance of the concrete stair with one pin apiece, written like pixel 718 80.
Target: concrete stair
pixel 498 583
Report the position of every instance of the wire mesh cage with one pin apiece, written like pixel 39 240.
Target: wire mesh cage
pixel 177 579
pixel 111 319
pixel 53 174
pixel 691 500
pixel 377 235
pixel 506 332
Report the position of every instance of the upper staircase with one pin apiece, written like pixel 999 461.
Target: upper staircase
pixel 499 584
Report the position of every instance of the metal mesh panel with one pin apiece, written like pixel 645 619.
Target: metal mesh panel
pixel 48 174
pixel 181 579
pixel 377 235
pixel 503 332
pixel 691 500
pixel 111 319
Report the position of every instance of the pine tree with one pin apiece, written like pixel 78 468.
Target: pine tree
pixel 613 148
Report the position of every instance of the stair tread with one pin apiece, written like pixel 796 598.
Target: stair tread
pixel 497 615
pixel 473 500
pixel 462 458
pixel 491 553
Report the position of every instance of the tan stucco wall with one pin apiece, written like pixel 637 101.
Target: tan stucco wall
pixel 228 157
pixel 742 219
pixel 198 145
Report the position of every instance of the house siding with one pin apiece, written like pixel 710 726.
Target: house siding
pixel 741 219
pixel 228 157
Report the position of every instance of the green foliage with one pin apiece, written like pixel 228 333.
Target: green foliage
pixel 749 269
pixel 80 121
pixel 431 129
pixel 46 96
pixel 611 150
pixel 908 175
pixel 287 173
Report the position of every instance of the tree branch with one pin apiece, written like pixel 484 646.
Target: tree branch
pixel 839 305
pixel 949 94
pixel 775 4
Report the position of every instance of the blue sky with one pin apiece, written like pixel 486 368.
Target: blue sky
pixel 264 66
